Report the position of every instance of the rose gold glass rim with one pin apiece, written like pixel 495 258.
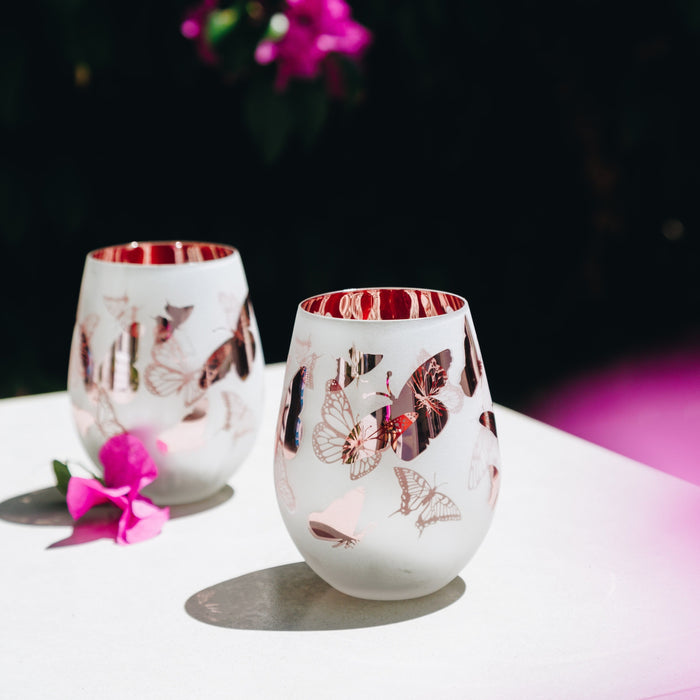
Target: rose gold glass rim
pixel 383 304
pixel 167 252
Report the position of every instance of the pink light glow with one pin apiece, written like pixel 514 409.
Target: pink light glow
pixel 190 29
pixel 646 408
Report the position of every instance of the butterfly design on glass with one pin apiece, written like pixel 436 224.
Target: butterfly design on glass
pixel 118 371
pixel 473 367
pixel 289 432
pixel 289 429
pixel 106 417
pixel 340 437
pixel 167 324
pixel 170 371
pixel 485 456
pixel 305 357
pixel 418 494
pixel 338 522
pixel 238 351
pixel 121 310
pixel 422 396
pixel 238 417
pixel 495 474
pixel 87 359
pixel 357 363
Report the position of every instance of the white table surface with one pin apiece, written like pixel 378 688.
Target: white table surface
pixel 587 586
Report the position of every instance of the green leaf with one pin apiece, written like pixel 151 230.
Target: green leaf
pixel 221 23
pixel 63 476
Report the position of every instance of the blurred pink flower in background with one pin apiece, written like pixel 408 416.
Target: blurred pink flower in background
pixel 194 27
pixel 310 30
pixel 127 469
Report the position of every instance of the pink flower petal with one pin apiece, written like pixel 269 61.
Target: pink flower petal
pixel 127 463
pixel 266 52
pixel 141 521
pixel 194 27
pixel 84 494
pixel 190 29
pixel 316 29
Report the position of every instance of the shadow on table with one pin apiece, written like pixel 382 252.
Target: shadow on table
pixel 48 507
pixel 292 597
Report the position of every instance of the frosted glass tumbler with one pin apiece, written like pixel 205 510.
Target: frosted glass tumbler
pixel 387 466
pixel 166 347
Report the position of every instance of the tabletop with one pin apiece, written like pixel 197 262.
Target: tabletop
pixel 587 585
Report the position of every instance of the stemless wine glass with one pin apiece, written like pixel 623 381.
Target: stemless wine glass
pixel 387 466
pixel 166 347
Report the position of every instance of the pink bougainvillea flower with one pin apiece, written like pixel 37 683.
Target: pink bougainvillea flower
pixel 309 31
pixel 194 27
pixel 127 469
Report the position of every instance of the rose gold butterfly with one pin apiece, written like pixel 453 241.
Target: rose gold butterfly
pixel 305 357
pixel 289 432
pixel 174 317
pixel 417 494
pixel 170 372
pixel 117 370
pixel 422 394
pixel 341 438
pixel 87 358
pixel 338 522
pixel 485 456
pixel 473 367
pixel 357 363
pixel 239 350
pixel 239 417
pixel 120 309
pixel 105 416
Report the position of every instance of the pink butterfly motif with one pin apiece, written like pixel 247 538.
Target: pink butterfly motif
pixel 341 438
pixel 120 309
pixel 289 428
pixel 356 364
pixel 168 324
pixel 338 522
pixel 170 372
pixel 87 359
pixel 495 485
pixel 473 367
pixel 422 394
pixel 417 494
pixel 289 432
pixel 105 416
pixel 239 419
pixel 305 357
pixel 238 350
pixel 118 371
pixel 486 455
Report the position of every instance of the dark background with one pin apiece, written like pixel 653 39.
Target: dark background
pixel 540 159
